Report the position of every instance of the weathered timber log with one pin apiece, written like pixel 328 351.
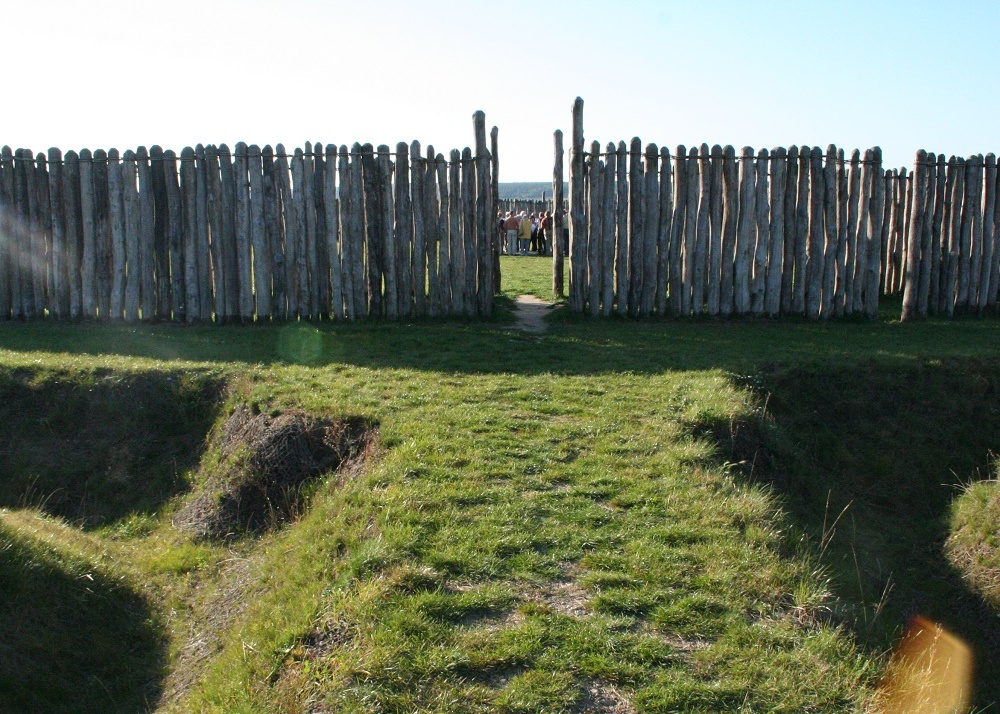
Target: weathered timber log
pixel 763 238
pixel 989 230
pixel 373 230
pixel 840 291
pixel 244 257
pixel 622 210
pixel 419 266
pixel 965 246
pixel 469 229
pixel 432 238
pixel 205 296
pixel 702 245
pixel 261 261
pixel 690 230
pixel 875 223
pixel 484 205
pixel 635 217
pixel 558 277
pixel 403 231
pixel 608 227
pixel 746 233
pixel 817 234
pixel 457 237
pixel 161 252
pixel 730 229
pixel 192 300
pixel 956 169
pixel 716 210
pixel 775 261
pixel 88 255
pixel 788 259
pixel 445 262
pixel 802 205
pixel 937 224
pixel 829 232
pixel 912 287
pixel 175 239
pixel 666 210
pixel 147 246
pixel 595 168
pixel 853 204
pixel 8 272
pixel 650 231
pixel 577 212
pixel 59 298
pixel 213 209
pixel 332 233
pixel 864 237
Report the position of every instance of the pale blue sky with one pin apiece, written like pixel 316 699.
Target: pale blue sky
pixel 902 75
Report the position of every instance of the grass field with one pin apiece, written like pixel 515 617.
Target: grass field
pixel 620 516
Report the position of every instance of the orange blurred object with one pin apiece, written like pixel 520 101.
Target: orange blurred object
pixel 930 673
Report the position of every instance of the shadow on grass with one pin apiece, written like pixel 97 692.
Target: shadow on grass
pixel 93 448
pixel 889 448
pixel 73 640
pixel 573 345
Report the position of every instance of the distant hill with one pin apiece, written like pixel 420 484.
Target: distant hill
pixel 529 189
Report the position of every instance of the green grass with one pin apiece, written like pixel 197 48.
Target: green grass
pixel 611 512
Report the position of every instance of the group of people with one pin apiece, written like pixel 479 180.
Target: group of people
pixel 522 234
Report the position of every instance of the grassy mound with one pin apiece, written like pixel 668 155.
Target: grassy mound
pixel 974 545
pixel 266 461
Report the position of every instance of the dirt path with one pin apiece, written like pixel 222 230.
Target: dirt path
pixel 530 313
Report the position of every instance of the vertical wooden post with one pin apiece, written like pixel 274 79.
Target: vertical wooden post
pixel 716 213
pixel 690 229
pixel 358 231
pixel 702 245
pixel 175 238
pixel 213 208
pixel 7 266
pixel 937 231
pixel 802 213
pixel 595 225
pixel 988 230
pixel 577 213
pixel 840 291
pixel 34 294
pixel 829 232
pixel 457 237
pixel 445 261
pixel 622 212
pixel 161 252
pixel 558 280
pixel 609 222
pixel 228 270
pixel 677 243
pixel 635 216
pixel 274 232
pixel 346 234
pixel 965 246
pixel 43 216
pixel 431 237
pixel 403 231
pixel 775 267
pixel 493 208
pixel 730 229
pixel 864 236
pixel 333 239
pixel 817 235
pixel 309 255
pixel 261 262
pixel 116 220
pixel 665 225
pixel 388 235
pixel 147 254
pixel 976 258
pixel 373 230
pixel 206 302
pixel 956 170
pixel 876 211
pixel 59 300
pixel 321 268
pixel 912 288
pixel 192 300
pixel 791 193
pixel 73 239
pixel 486 229
pixel 853 203
pixel 244 258
pixel 746 233
pixel 419 208
pixel 88 260
pixel 760 246
pixel 469 230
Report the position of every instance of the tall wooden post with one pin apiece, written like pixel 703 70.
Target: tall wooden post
pixel 558 280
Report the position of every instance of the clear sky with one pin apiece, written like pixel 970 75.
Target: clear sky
pixel 901 74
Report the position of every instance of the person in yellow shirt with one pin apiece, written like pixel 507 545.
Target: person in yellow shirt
pixel 523 234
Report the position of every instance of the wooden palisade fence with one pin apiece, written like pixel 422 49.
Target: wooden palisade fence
pixel 248 235
pixel 795 231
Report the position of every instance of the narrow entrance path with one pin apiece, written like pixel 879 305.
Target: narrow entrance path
pixel 530 312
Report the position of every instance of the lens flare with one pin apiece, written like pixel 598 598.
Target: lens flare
pixel 300 344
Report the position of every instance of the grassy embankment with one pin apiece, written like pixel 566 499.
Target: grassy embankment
pixel 689 516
